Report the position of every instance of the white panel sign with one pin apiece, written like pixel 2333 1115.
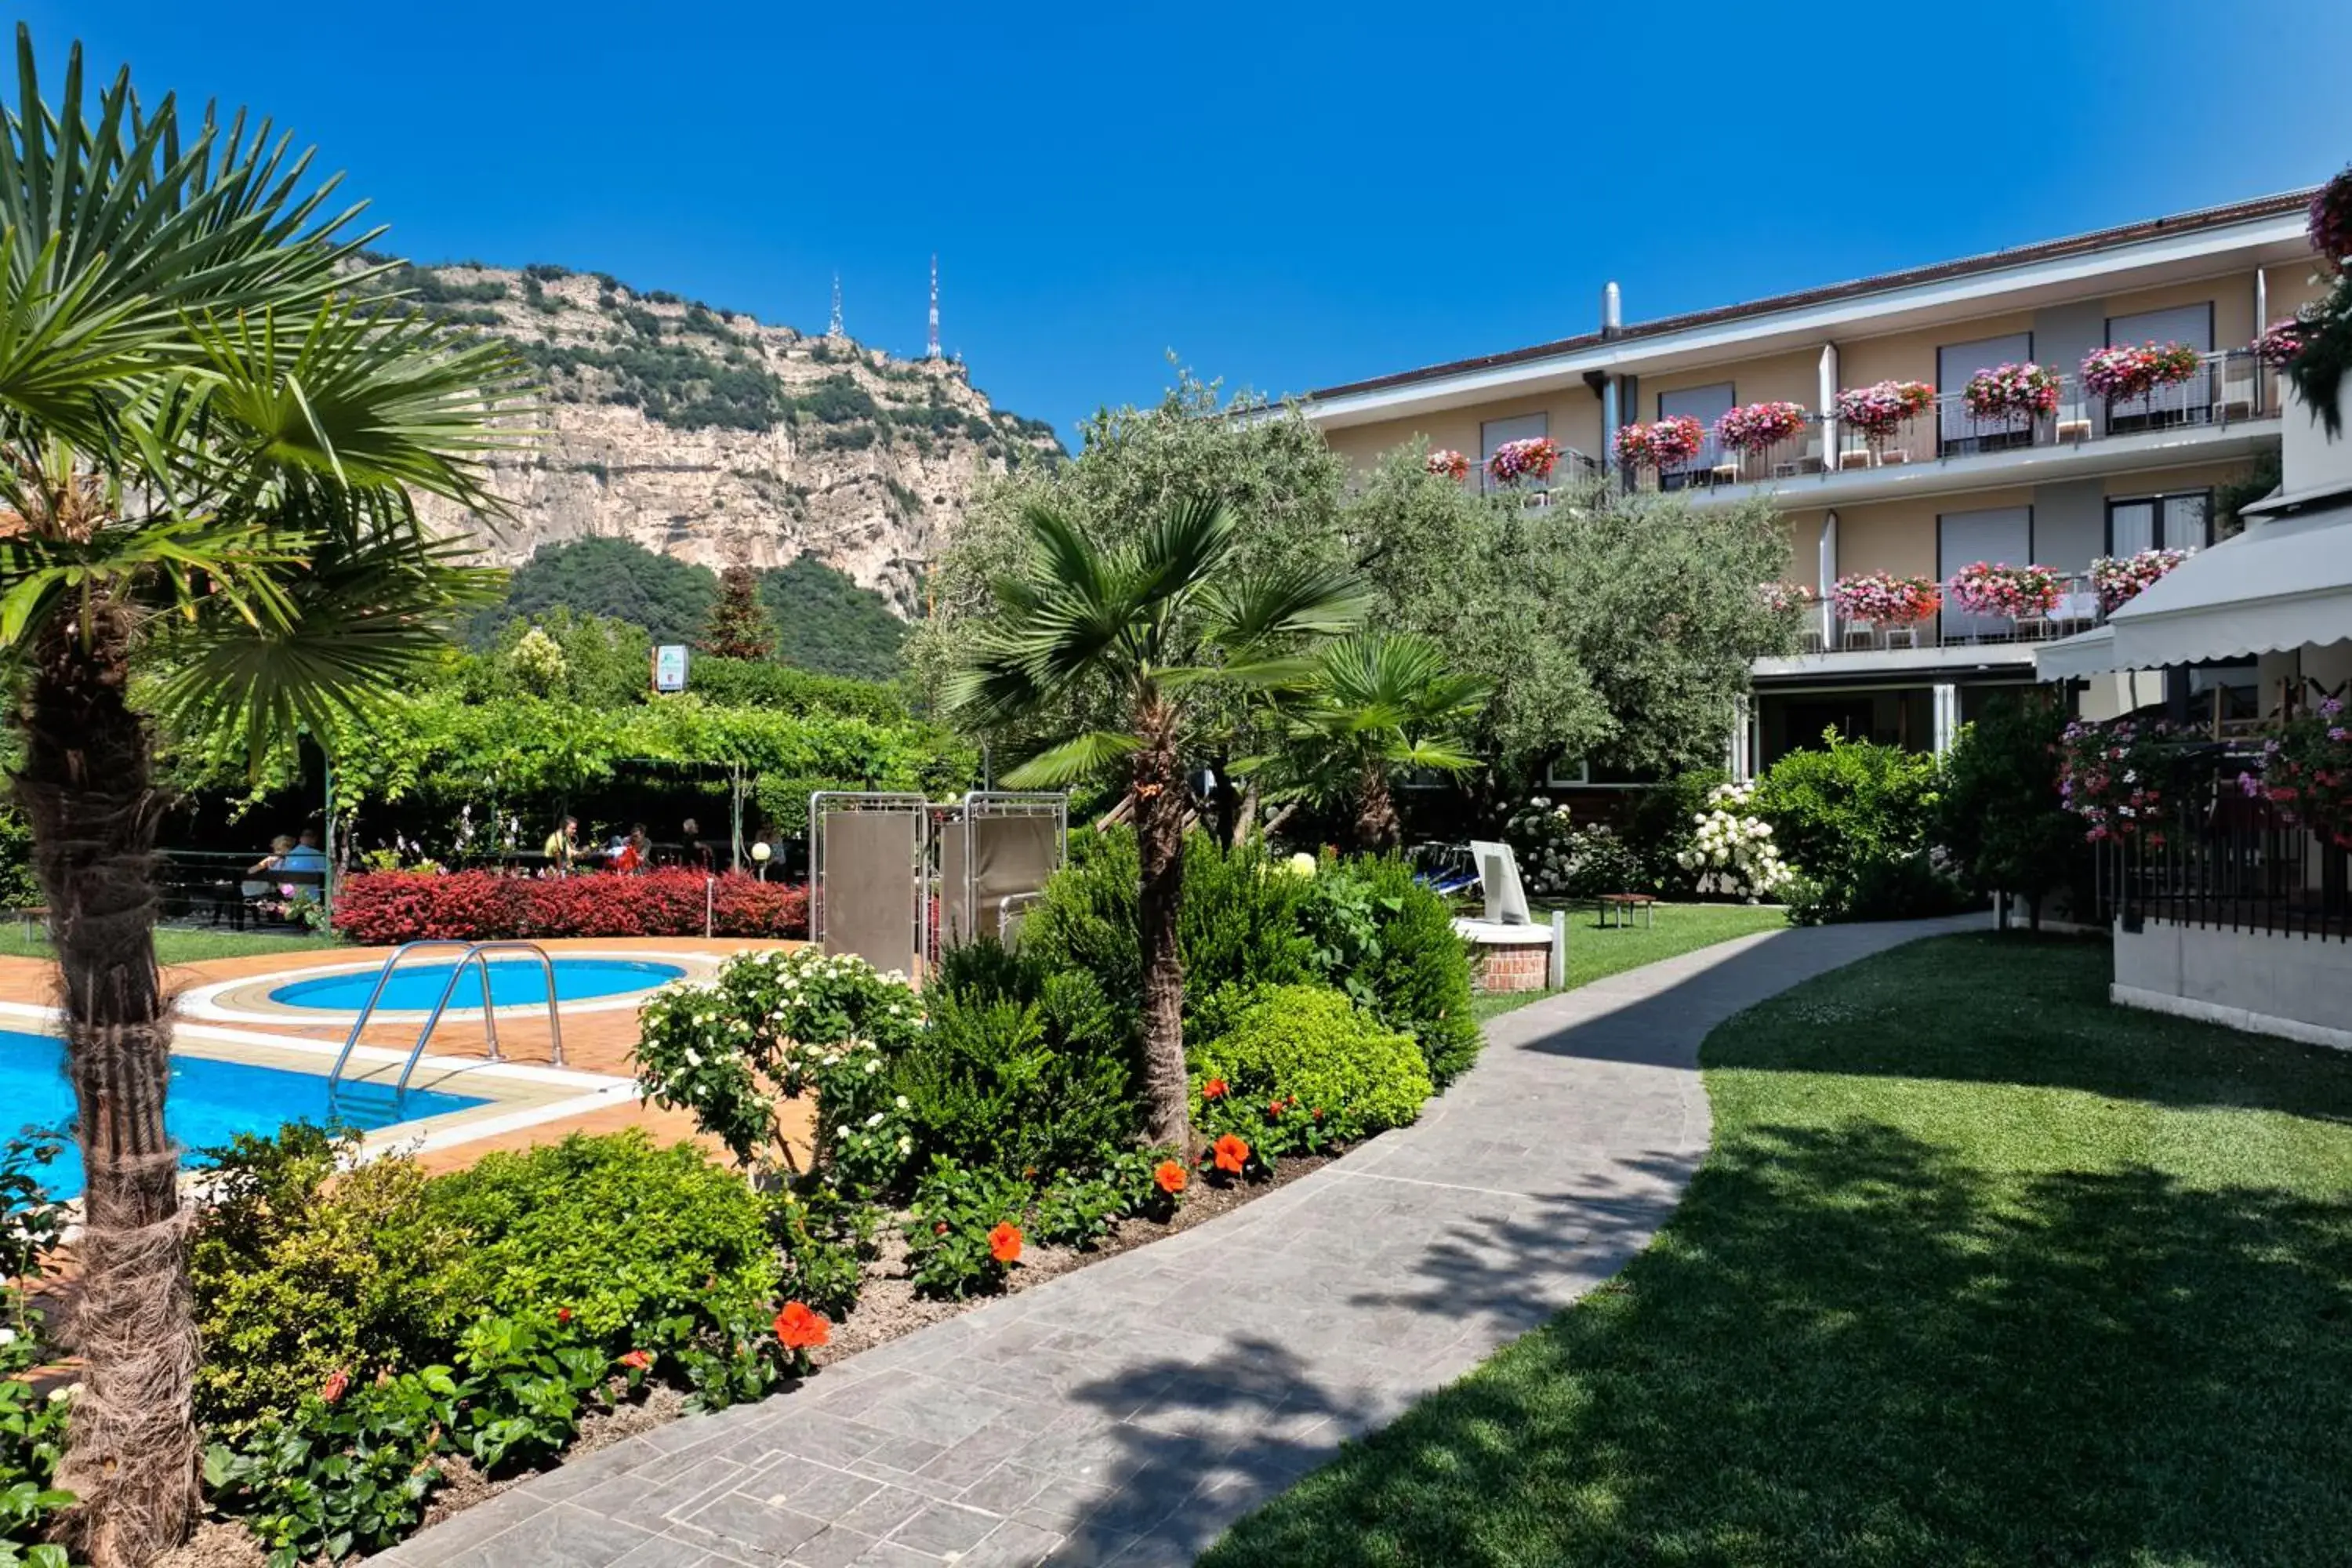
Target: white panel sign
pixel 669 668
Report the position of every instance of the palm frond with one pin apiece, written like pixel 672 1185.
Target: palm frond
pixel 1082 756
pixel 373 606
pixel 1256 616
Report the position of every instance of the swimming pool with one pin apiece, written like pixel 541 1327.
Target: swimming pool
pixel 514 982
pixel 210 1102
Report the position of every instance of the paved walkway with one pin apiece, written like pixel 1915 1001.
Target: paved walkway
pixel 1128 1411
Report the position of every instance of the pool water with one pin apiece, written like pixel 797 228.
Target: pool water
pixel 209 1102
pixel 514 982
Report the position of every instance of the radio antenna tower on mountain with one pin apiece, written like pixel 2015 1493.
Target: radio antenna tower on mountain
pixel 832 328
pixel 935 305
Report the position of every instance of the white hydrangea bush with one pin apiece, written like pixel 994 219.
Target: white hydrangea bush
pixel 1731 850
pixel 1542 839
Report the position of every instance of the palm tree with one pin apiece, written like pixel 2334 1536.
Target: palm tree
pixel 1144 629
pixel 1378 703
pixel 206 458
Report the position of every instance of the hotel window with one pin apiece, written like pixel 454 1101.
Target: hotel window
pixel 1495 431
pixel 2182 521
pixel 1961 433
pixel 1706 405
pixel 2187 402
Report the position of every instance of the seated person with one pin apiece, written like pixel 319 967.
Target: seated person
pixel 279 848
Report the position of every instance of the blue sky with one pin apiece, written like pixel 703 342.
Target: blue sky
pixel 1286 197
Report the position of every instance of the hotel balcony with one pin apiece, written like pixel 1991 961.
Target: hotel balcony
pixel 2227 408
pixel 1952 639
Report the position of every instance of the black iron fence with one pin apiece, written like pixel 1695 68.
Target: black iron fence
pixel 2218 856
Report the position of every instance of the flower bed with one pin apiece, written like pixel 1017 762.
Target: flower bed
pixel 2120 579
pixel 2020 593
pixel 1531 459
pixel 2123 370
pixel 1884 599
pixel 1760 425
pixel 1448 463
pixel 386 908
pixel 1877 411
pixel 2114 777
pixel 2008 390
pixel 1669 441
pixel 1732 851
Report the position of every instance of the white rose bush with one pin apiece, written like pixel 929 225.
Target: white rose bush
pixel 769 1028
pixel 1732 850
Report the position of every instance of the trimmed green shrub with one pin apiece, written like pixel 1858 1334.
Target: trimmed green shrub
pixel 1240 927
pixel 1311 1045
pixel 1661 828
pixel 297 1280
pixel 645 1248
pixel 1390 943
pixel 1854 818
pixel 1023 1071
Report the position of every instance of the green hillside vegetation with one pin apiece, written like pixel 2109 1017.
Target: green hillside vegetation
pixel 825 623
pixel 614 578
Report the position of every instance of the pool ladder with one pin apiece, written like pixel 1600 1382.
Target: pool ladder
pixel 476 954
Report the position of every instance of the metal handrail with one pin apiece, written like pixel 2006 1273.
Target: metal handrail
pixel 383 979
pixel 476 954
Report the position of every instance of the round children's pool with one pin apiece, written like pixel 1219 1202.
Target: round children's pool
pixel 514 982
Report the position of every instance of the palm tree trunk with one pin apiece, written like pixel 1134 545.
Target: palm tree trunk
pixel 1160 841
pixel 1376 815
pixel 131 1460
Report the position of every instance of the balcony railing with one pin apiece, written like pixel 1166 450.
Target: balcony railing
pixel 2229 386
pixel 1574 469
pixel 2077 610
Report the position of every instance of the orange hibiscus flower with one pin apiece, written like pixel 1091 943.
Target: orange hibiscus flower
pixel 1213 1090
pixel 1004 1242
pixel 638 1361
pixel 801 1328
pixel 1170 1177
pixel 1233 1153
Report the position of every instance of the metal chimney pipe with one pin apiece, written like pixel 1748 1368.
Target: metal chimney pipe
pixel 1612 318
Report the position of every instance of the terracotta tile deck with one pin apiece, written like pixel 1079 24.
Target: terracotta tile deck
pixel 595 1042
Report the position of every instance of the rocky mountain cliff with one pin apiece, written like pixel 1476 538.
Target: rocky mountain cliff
pixel 705 435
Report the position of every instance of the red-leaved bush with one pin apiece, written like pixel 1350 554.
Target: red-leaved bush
pixel 384 907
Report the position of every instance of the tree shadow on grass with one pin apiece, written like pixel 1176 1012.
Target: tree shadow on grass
pixel 1851 1347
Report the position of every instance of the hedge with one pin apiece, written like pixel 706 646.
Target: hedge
pixel 385 908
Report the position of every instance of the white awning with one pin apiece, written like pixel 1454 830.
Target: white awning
pixel 2281 584
pixel 2087 653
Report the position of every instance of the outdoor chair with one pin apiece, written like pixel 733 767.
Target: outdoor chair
pixel 1809 463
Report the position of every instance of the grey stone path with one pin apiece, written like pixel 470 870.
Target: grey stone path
pixel 1128 1411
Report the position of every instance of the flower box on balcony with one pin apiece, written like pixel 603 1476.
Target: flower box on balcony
pixel 1663 445
pixel 1532 458
pixel 2018 592
pixel 1878 411
pixel 2120 579
pixel 1784 596
pixel 1760 426
pixel 2007 391
pixel 1448 463
pixel 1884 599
pixel 2281 342
pixel 2122 371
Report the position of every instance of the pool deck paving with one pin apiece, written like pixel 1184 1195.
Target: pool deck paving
pixel 1128 1411
pixel 597 1040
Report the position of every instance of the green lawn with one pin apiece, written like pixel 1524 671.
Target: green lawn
pixel 177 946
pixel 1983 1271
pixel 1593 951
